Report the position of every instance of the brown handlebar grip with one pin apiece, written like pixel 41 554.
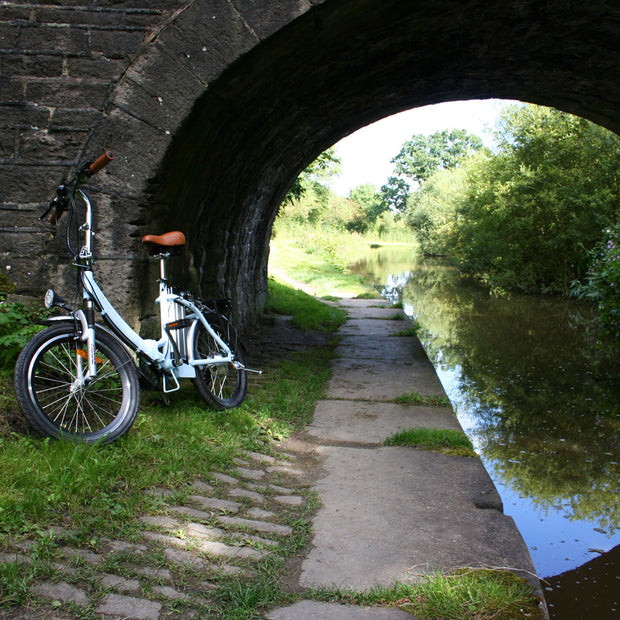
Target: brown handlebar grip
pixel 101 162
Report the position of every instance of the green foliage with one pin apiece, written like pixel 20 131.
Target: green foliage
pixel 465 594
pixel 313 214
pixel 533 210
pixel 528 215
pixel 410 332
pixel 287 260
pixel 13 585
pixel 475 595
pixel 432 210
pixel 422 156
pixel 314 177
pixel 100 490
pixel 372 205
pixel 17 326
pixel 6 286
pixel 423 400
pixel 602 282
pixel 315 211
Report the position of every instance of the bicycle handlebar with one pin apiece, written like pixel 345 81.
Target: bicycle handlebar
pixel 64 193
pixel 101 162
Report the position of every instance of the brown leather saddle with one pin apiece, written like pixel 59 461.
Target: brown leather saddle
pixel 169 243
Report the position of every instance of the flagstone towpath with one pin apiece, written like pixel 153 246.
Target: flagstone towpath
pixel 391 514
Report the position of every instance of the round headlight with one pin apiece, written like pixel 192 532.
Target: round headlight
pixel 50 297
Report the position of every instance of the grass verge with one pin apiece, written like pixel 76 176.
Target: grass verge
pixel 466 594
pixel 422 400
pixel 455 443
pixel 99 492
pixel 322 278
pixel 307 311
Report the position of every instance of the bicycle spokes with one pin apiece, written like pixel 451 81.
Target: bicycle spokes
pixel 67 399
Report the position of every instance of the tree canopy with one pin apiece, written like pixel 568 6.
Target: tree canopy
pixel 422 156
pixel 315 176
pixel 533 210
pixel 526 215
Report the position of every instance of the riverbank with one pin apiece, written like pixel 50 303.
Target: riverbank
pixel 319 266
pixel 539 399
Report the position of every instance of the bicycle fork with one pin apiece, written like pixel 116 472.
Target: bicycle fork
pixel 86 319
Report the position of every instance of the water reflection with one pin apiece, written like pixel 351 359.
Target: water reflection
pixel 540 402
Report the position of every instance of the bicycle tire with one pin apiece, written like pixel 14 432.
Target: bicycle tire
pixel 220 385
pixel 54 403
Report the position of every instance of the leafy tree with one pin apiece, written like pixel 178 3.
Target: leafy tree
pixel 421 156
pixel 432 210
pixel 371 205
pixel 309 196
pixel 315 176
pixel 395 194
pixel 602 283
pixel 535 208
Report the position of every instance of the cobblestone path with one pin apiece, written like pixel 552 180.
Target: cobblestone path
pixel 222 527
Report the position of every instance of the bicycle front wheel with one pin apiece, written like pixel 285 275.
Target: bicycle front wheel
pixel 221 385
pixel 56 401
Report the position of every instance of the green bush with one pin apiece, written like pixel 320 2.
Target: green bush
pixel 17 326
pixel 602 284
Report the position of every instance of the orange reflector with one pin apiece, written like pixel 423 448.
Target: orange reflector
pixel 84 355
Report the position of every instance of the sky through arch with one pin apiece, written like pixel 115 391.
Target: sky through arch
pixel 366 154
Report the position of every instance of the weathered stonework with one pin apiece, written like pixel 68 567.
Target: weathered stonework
pixel 213 107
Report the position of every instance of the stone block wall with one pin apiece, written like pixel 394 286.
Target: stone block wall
pixel 59 63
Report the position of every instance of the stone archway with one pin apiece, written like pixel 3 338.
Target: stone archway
pixel 211 147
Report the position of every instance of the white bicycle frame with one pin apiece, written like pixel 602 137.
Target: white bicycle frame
pixel 160 353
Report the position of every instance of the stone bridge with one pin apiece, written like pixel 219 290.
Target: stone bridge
pixel 212 108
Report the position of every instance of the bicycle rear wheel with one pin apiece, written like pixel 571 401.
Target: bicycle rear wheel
pixel 55 402
pixel 221 385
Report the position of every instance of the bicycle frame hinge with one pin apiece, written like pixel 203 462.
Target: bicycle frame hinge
pixel 85 254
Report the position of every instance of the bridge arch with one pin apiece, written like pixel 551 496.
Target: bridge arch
pixel 226 102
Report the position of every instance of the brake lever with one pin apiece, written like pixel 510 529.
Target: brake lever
pixel 58 203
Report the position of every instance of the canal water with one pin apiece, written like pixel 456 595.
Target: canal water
pixel 541 404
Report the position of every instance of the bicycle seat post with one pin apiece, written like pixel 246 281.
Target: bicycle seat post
pixel 162 266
